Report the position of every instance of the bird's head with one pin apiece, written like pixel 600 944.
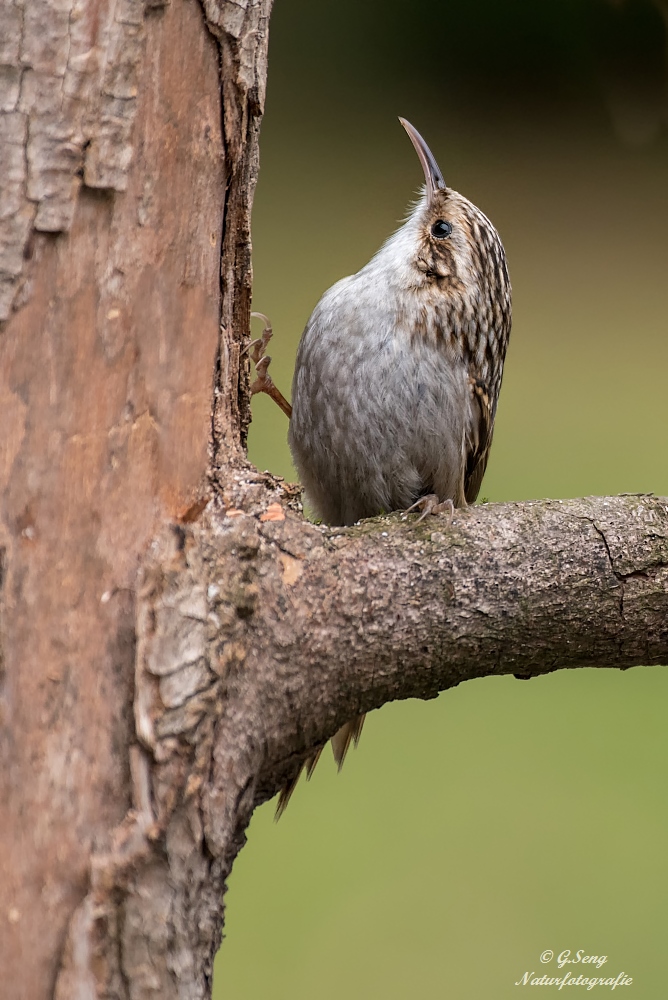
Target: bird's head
pixel 454 247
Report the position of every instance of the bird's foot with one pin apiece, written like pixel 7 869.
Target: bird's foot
pixel 263 382
pixel 431 504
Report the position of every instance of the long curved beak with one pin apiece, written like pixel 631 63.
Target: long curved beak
pixel 432 172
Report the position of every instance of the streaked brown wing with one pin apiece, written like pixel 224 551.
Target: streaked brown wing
pixel 479 439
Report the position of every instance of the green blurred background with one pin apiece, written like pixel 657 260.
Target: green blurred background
pixel 468 834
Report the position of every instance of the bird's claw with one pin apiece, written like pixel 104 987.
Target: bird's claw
pixel 263 382
pixel 261 367
pixel 257 347
pixel 431 504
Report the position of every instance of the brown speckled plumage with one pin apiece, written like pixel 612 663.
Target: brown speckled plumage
pixel 399 368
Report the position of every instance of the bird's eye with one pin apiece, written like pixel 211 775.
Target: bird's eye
pixel 441 229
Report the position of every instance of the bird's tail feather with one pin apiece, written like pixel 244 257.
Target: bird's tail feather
pixel 341 740
pixel 289 787
pixel 347 734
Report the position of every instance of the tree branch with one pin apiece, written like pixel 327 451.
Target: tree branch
pixel 304 627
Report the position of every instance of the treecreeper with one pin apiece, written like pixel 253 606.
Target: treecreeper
pixel 398 373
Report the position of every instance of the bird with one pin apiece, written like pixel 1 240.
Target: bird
pixel 398 373
pixel 399 367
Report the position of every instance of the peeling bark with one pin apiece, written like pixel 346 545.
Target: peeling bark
pixel 174 637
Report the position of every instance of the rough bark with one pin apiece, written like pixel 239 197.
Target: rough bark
pixel 259 635
pixel 128 152
pixel 174 637
pixel 290 629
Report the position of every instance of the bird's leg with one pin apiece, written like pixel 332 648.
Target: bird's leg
pixel 431 504
pixel 263 383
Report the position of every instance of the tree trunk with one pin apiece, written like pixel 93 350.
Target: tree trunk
pixel 128 156
pixel 174 638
